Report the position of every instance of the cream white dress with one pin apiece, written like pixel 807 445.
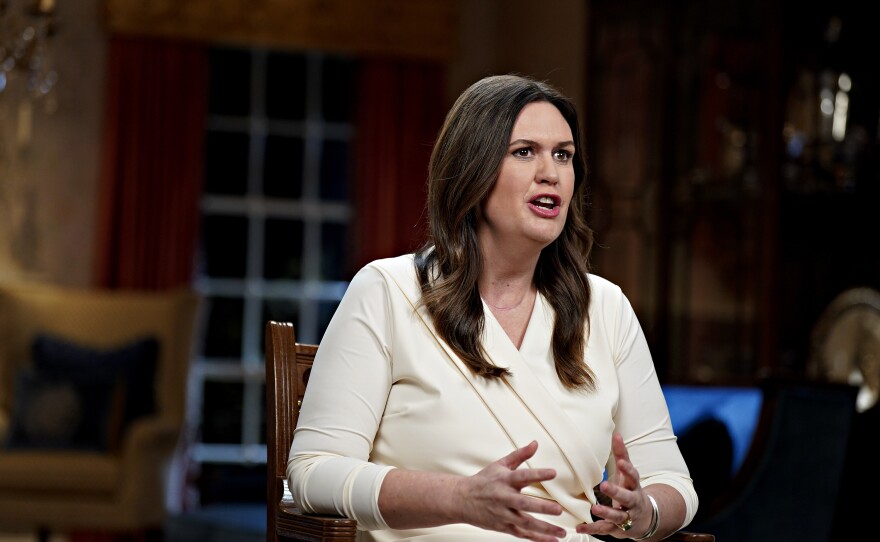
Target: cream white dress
pixel 385 391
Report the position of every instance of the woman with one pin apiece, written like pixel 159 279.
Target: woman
pixel 480 388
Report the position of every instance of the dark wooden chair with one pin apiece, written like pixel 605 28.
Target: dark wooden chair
pixel 287 372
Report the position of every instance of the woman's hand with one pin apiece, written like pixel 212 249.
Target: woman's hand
pixel 491 499
pixel 629 501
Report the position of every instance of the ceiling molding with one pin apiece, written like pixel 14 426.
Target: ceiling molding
pixel 423 29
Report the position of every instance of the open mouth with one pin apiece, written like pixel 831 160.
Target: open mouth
pixel 546 202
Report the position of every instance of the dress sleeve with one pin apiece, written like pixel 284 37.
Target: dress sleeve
pixel 642 417
pixel 329 469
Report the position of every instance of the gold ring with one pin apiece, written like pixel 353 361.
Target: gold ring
pixel 626 525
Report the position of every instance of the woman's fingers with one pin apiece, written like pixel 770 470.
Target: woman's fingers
pixel 535 529
pixel 618 447
pixel 624 489
pixel 527 503
pixel 516 458
pixel 496 501
pixel 626 474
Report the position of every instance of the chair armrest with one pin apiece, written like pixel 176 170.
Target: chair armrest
pixel 687 536
pixel 147 450
pixel 291 522
pixel 148 436
pixel 4 424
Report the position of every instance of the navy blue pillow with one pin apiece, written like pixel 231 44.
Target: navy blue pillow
pixel 134 363
pixel 62 413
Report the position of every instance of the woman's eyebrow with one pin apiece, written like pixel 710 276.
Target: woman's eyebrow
pixel 536 144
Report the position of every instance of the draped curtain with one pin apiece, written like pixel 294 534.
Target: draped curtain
pixel 148 208
pixel 151 177
pixel 400 111
pixel 148 213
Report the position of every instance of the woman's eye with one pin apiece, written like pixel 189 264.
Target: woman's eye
pixel 562 156
pixel 523 152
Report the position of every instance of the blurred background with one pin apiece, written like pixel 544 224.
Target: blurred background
pixel 260 152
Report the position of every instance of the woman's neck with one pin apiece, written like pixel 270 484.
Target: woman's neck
pixel 511 298
pixel 504 287
pixel 508 272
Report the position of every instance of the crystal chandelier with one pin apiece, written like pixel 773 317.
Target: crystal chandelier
pixel 26 49
pixel 27 80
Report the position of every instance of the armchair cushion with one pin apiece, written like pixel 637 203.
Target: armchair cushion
pixel 78 397
pixel 133 363
pixel 26 474
pixel 61 412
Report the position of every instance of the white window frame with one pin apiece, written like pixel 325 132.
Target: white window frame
pixel 253 288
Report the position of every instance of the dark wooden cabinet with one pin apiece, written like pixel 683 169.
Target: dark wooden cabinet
pixel 733 164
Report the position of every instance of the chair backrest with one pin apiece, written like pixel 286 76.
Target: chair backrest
pixel 287 371
pixel 100 318
pixel 789 481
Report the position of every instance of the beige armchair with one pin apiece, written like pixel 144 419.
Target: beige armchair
pixel 118 489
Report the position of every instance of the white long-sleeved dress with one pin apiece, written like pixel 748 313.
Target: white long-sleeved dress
pixel 386 392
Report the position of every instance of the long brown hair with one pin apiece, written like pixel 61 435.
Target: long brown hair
pixel 464 166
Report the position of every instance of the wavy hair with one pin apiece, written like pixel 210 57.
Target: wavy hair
pixel 463 168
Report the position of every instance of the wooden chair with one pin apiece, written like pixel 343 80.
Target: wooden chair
pixel 287 372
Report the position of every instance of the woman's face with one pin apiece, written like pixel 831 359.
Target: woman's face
pixel 528 203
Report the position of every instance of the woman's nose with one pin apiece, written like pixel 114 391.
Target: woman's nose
pixel 547 172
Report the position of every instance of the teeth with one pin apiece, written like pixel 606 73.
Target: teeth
pixel 545 200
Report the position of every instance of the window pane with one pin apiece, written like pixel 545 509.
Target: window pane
pixel 283 167
pixel 224 245
pixel 334 170
pixel 226 163
pixel 283 255
pixel 281 310
pixel 223 483
pixel 337 89
pixel 224 330
pixel 230 82
pixel 334 251
pixel 221 412
pixel 325 313
pixel 293 88
pixel 285 86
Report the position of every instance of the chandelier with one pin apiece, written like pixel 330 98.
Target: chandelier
pixel 26 63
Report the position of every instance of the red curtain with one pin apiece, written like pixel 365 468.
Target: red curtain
pixel 151 178
pixel 400 111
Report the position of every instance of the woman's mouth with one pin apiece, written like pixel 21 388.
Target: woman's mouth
pixel 546 205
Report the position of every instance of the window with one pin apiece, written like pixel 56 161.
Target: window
pixel 277 187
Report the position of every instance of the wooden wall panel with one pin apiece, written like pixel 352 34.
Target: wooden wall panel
pixel 423 29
